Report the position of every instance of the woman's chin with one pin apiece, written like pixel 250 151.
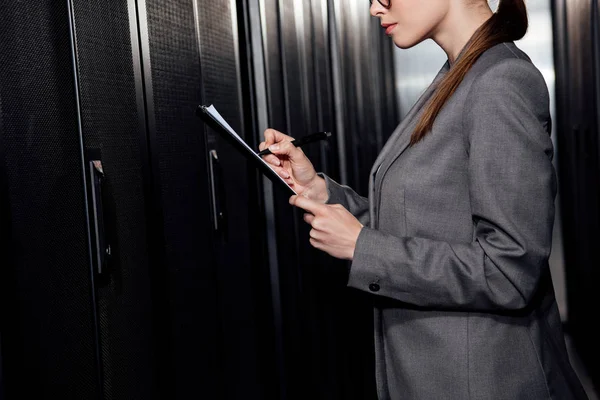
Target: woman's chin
pixel 404 43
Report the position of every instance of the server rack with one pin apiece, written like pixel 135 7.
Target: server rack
pixel 326 328
pixel 49 335
pixel 211 266
pixel 145 258
pixel 121 287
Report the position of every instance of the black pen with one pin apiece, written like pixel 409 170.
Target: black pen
pixel 302 141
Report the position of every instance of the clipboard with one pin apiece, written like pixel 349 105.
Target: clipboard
pixel 212 118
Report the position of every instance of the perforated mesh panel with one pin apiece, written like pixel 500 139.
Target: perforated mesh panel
pixel 210 275
pixel 180 154
pixel 48 332
pixel 110 122
pixel 221 85
pixel 241 352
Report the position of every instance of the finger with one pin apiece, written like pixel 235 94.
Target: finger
pixel 315 243
pixel 271 159
pixel 308 218
pixel 286 148
pixel 273 136
pixel 309 205
pixel 315 234
pixel 282 172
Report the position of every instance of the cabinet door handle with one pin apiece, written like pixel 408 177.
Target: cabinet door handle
pixel 102 248
pixel 216 189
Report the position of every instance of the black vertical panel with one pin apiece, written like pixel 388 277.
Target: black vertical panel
pixel 5 246
pixel 48 331
pixel 273 65
pixel 217 346
pixel 387 93
pixel 342 316
pixel 381 66
pixel 367 56
pixel 329 274
pixel 323 92
pixel 242 305
pixel 297 290
pixel 305 354
pixel 579 162
pixel 111 124
pixel 583 136
pixel 368 104
pixel 1 374
pixel 288 250
pixel 173 83
pixel 322 275
pixel 366 71
pixel 286 82
pixel 361 109
pixel 327 327
pixel 284 219
pixel 267 341
pixel 596 49
pixel 347 48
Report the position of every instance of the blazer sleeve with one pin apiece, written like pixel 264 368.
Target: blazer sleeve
pixel 512 186
pixel 344 195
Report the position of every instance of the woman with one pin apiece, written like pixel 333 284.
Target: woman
pixel 454 238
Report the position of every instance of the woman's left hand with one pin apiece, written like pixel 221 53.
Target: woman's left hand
pixel 334 229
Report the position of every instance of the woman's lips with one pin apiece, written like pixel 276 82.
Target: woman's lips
pixel 389 28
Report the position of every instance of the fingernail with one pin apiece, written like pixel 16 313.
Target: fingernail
pixel 274 147
pixel 277 161
pixel 286 175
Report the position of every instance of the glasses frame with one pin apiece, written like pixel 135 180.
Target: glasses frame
pixel 382 2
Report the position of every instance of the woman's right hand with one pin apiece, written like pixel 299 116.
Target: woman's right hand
pixel 293 166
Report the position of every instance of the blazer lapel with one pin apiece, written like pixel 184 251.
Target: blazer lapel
pixel 396 144
pixel 398 132
pixel 399 140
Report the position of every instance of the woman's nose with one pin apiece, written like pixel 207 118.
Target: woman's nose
pixel 376 9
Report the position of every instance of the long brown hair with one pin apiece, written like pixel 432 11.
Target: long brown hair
pixel 508 23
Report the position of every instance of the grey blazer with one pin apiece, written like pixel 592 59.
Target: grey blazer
pixel 458 231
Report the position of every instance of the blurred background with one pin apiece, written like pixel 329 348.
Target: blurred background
pixel 144 258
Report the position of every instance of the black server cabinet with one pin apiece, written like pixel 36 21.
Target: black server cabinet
pixel 367 93
pixel 114 134
pixel 48 330
pixel 326 327
pixel 79 311
pixel 577 59
pixel 215 274
pixel 299 101
pixel 136 261
pixel 119 283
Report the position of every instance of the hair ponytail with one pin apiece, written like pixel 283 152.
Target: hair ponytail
pixel 509 23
